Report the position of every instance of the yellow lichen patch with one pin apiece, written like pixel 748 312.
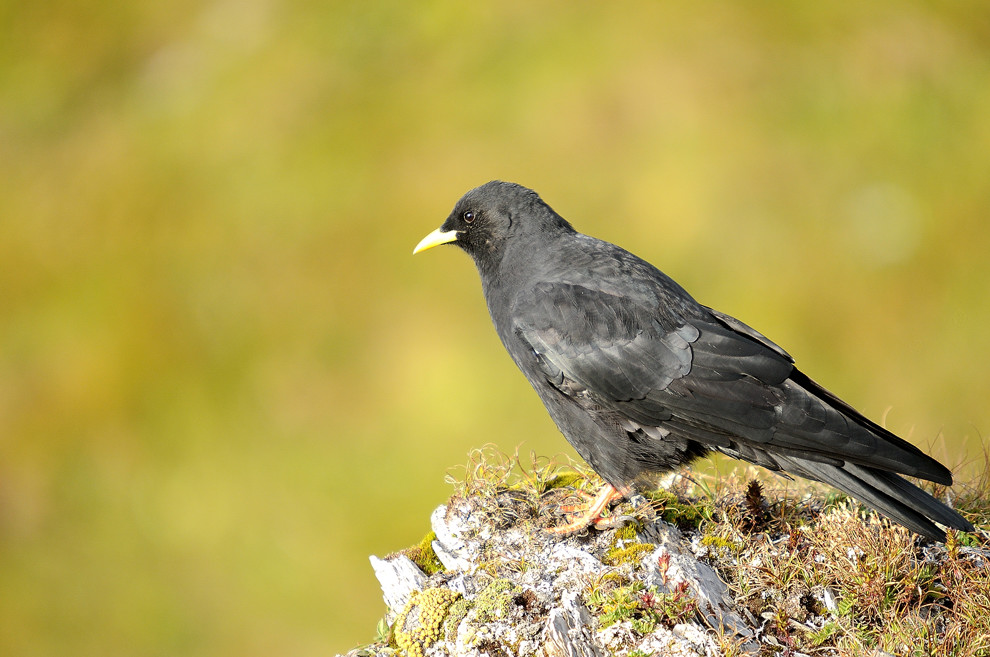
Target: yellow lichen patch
pixel 418 625
pixel 631 554
pixel 626 547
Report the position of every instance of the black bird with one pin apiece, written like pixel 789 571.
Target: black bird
pixel 641 378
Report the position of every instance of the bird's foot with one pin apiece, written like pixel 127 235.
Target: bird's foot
pixel 580 516
pixel 574 509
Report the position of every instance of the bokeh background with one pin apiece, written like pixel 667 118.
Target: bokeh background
pixel 224 379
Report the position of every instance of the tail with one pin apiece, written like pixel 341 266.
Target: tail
pixel 876 482
pixel 886 492
pixel 820 437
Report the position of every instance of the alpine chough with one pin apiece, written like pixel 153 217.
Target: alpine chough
pixel 641 378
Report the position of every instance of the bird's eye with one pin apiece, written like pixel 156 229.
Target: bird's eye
pixel 468 217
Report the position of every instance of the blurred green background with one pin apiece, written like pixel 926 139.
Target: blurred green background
pixel 224 379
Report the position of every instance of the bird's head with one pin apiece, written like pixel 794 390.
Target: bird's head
pixel 487 217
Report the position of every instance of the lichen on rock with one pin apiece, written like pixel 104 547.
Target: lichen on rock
pixel 418 625
pixel 509 587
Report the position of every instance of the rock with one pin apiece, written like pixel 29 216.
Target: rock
pixel 511 588
pixel 568 630
pixel 399 577
pixel 450 549
pixel 713 598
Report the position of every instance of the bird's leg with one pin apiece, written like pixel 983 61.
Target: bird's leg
pixel 580 516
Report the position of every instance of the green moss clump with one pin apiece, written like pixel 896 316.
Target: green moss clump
pixel 676 512
pixel 419 623
pixel 627 532
pixel 423 555
pixel 496 600
pixel 563 479
pixel 455 615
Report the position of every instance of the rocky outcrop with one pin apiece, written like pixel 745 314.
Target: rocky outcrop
pixel 809 574
pixel 509 587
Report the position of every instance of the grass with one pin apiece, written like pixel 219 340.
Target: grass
pixel 824 575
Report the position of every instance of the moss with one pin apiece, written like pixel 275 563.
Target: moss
pixel 676 512
pixel 455 615
pixel 612 579
pixel 423 555
pixel 563 479
pixel 625 546
pixel 713 540
pixel 419 623
pixel 628 532
pixel 496 600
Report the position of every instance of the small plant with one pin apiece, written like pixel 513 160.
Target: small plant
pixel 687 515
pixel 756 516
pixel 644 608
pixel 487 470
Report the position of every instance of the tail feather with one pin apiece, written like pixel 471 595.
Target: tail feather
pixel 886 492
pixel 903 490
pixel 890 452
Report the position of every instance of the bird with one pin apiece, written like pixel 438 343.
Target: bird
pixel 641 379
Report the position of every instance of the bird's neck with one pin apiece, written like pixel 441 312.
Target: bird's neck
pixel 515 270
pixel 495 284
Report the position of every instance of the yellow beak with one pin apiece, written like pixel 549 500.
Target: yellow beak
pixel 436 238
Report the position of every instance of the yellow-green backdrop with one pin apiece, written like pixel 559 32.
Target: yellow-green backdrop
pixel 224 379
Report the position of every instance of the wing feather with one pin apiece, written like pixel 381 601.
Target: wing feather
pixel 714 380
